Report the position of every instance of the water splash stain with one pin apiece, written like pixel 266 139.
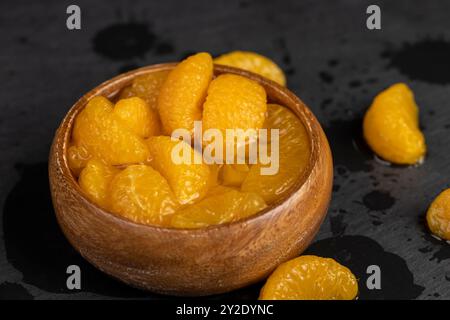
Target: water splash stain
pixel 426 60
pixel 354 83
pixel 333 63
pixel 326 77
pixel 325 103
pixel 376 222
pixel 425 249
pixel 337 223
pixel 378 200
pixel 440 248
pixel 359 252
pixel 348 145
pixel 124 40
pixel 288 68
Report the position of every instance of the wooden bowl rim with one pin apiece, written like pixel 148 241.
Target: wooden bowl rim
pixel 112 86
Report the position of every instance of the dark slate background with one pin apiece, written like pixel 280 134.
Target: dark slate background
pixel 332 62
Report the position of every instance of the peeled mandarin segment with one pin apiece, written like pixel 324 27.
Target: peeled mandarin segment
pixel 234 102
pixel 77 158
pixel 97 109
pixel 294 153
pixel 141 194
pixel 94 180
pixel 438 216
pixel 391 126
pixel 146 87
pixel 135 114
pixel 189 181
pixel 233 174
pixel 255 63
pixel 105 137
pixel 123 146
pixel 310 278
pixel 220 206
pixel 182 94
pixel 87 127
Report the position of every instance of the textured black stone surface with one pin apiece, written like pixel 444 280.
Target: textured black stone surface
pixel 332 62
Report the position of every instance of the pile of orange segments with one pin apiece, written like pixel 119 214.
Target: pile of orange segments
pixel 122 150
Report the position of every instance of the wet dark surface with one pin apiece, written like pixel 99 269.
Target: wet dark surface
pixel 434 65
pixel 332 62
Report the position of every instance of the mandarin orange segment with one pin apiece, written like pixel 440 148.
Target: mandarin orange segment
pixel 438 215
pixel 135 114
pixel 234 102
pixel 391 126
pixel 310 278
pixel 294 153
pixel 220 206
pixel 94 180
pixel 175 160
pixel 141 194
pixel 253 62
pixel 146 87
pixel 182 94
pixel 77 158
pixel 233 174
pixel 105 137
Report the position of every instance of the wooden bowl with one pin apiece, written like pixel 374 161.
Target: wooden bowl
pixel 193 262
